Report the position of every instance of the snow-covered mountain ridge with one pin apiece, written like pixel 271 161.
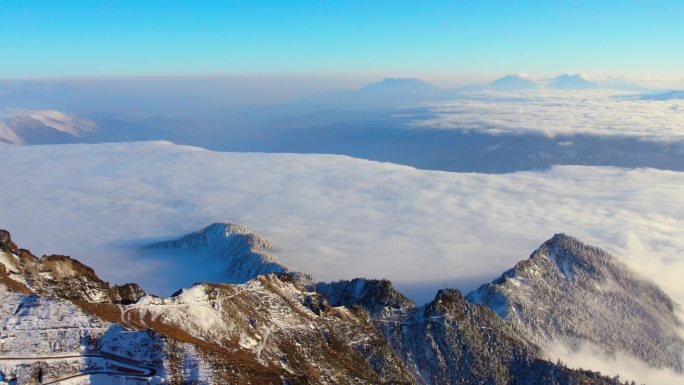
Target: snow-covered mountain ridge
pixel 574 293
pixel 272 329
pixel 245 253
pixel 450 341
pixel 59 276
pixel 42 127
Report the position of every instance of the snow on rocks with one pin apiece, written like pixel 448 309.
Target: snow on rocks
pixel 237 250
pixel 574 293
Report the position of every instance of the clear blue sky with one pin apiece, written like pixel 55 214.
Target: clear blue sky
pixel 145 37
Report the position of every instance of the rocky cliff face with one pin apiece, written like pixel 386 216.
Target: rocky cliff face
pixel 450 341
pixel 573 293
pixel 378 297
pixel 60 321
pixel 270 330
pixel 60 276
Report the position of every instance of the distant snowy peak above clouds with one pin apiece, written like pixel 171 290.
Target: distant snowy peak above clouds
pixel 387 93
pixel 224 237
pixel 60 121
pixel 517 82
pixel 408 84
pixel 569 292
pixel 573 82
pixel 395 91
pixel 247 255
pixel 18 126
pixel 524 83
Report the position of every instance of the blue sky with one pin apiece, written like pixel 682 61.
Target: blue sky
pixel 160 38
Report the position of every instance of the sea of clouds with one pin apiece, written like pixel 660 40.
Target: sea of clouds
pixel 628 368
pixel 340 217
pixel 550 112
pixel 333 216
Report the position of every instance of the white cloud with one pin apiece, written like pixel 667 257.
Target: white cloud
pixel 334 216
pixel 554 113
pixel 628 368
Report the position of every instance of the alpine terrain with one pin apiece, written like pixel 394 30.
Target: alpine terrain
pixel 62 324
pixel 241 252
pixel 574 293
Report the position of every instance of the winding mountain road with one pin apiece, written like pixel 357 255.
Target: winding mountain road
pixel 144 370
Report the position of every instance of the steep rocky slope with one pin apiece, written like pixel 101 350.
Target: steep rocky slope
pixel 60 276
pixel 449 341
pixel 573 293
pixel 59 321
pixel 270 330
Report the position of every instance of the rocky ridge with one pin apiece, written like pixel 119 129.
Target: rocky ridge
pixel 60 276
pixel 574 293
pixel 272 329
pixel 246 254
pixel 450 341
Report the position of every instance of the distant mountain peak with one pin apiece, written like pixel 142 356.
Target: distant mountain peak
pixel 570 254
pixel 18 126
pixel 220 235
pixel 67 123
pixel 246 254
pixel 573 77
pixel 573 82
pixel 401 83
pixel 513 82
pixel 390 92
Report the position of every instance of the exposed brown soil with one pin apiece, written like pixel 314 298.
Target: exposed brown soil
pixel 11 284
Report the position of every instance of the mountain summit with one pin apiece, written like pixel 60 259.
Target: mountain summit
pixel 242 253
pixel 42 127
pixel 574 293
pixel 413 85
pixel 572 82
pixel 513 83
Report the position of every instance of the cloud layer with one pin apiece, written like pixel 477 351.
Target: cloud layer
pixel 551 113
pixel 334 216
pixel 628 368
